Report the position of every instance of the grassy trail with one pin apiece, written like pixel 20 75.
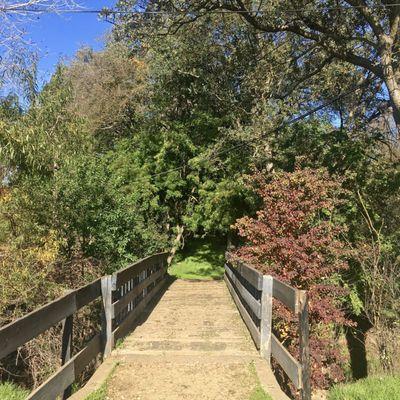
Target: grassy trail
pixel 200 260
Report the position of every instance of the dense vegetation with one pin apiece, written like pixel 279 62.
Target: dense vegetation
pixel 213 127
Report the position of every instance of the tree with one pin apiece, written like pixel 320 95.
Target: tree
pixel 15 51
pixel 360 33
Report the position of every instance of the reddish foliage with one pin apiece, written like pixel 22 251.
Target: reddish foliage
pixel 295 238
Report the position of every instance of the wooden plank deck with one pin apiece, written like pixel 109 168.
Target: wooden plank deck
pixel 190 344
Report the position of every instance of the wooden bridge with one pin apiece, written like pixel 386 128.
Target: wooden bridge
pixel 181 339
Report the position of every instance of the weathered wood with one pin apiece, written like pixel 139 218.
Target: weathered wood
pixel 33 324
pixel 135 269
pixel 254 332
pixel 67 375
pixel 106 329
pixel 249 273
pixel 266 318
pixel 66 347
pixel 304 346
pixel 288 363
pixel 126 326
pixel 286 294
pixel 122 303
pixel 254 304
pixel 86 294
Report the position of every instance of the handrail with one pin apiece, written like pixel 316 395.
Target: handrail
pixel 124 296
pixel 253 293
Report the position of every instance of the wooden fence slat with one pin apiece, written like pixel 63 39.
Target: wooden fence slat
pixel 122 303
pixel 124 328
pixel 255 334
pixel 66 376
pixel 249 273
pixel 66 347
pixel 86 294
pixel 33 324
pixel 286 294
pixel 246 295
pixel 133 270
pixel 266 318
pixel 286 361
pixel 304 346
pixel 106 325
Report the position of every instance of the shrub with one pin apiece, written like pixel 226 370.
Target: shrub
pixel 296 238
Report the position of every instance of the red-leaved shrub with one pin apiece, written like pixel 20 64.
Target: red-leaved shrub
pixel 296 238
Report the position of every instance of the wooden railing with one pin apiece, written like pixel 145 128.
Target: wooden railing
pixel 253 293
pixel 124 296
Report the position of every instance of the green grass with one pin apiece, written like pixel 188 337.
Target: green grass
pixel 258 392
pixel 9 391
pixel 201 259
pixel 385 388
pixel 101 392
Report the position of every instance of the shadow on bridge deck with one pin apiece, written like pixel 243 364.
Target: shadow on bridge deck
pixel 190 343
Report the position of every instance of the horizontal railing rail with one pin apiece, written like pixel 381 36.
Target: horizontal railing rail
pixel 124 296
pixel 253 293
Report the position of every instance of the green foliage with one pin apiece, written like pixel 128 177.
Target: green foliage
pixel 376 388
pixel 101 392
pixel 158 131
pixel 9 391
pixel 200 259
pixel 118 217
pixel 41 139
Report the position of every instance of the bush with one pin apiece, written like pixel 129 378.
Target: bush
pixel 296 238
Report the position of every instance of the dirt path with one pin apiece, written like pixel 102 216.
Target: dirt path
pixel 193 345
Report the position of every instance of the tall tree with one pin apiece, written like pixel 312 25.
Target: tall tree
pixel 360 33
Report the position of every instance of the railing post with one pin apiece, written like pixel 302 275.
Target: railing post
pixel 304 345
pixel 66 347
pixel 266 317
pixel 106 331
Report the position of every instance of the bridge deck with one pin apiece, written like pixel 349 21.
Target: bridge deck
pixel 191 345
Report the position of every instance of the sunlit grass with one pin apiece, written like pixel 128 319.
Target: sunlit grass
pixel 9 391
pixel 258 392
pixel 201 259
pixel 374 388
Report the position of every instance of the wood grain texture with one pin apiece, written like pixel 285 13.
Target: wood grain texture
pixel 286 294
pixel 66 376
pixel 255 334
pixel 33 324
pixel 106 325
pixel 254 304
pixel 66 347
pixel 288 363
pixel 122 303
pixel 304 346
pixel 135 269
pixel 249 273
pixel 266 318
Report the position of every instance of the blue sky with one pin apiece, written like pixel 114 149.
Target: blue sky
pixel 60 36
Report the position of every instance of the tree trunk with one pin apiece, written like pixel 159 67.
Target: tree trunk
pixel 394 93
pixel 355 337
pixel 390 78
pixel 176 244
